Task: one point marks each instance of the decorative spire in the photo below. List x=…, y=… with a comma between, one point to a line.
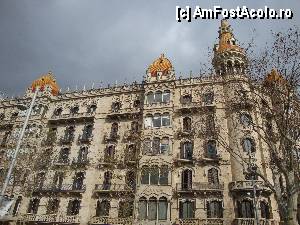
x=229, y=58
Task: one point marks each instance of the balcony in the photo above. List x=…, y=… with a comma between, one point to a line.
x=194, y=221
x=131, y=135
x=199, y=187
x=108, y=220
x=112, y=137
x=85, y=138
x=48, y=218
x=194, y=106
x=251, y=221
x=246, y=185
x=67, y=139
x=189, y=133
x=184, y=159
x=112, y=188
x=69, y=188
x=123, y=113
x=71, y=117
x=80, y=162
x=61, y=162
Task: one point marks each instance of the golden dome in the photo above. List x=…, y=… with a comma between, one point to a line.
x=46, y=80
x=162, y=64
x=226, y=38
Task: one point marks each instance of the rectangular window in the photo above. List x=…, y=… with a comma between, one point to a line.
x=145, y=176
x=148, y=122
x=152, y=210
x=150, y=98
x=164, y=173
x=162, y=210
x=165, y=120
x=166, y=97
x=154, y=174
x=158, y=96
x=156, y=121
x=142, y=210
x=156, y=146
x=186, y=210
x=208, y=98
x=164, y=146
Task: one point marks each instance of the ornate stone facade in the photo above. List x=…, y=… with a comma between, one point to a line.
x=137, y=154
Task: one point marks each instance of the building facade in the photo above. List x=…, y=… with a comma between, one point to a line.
x=139, y=154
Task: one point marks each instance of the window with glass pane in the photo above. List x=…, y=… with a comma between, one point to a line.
x=152, y=209
x=164, y=146
x=156, y=120
x=147, y=146
x=166, y=120
x=158, y=96
x=154, y=174
x=208, y=98
x=186, y=99
x=187, y=151
x=125, y=209
x=156, y=146
x=245, y=209
x=142, y=209
x=162, y=208
x=150, y=97
x=245, y=119
x=186, y=210
x=145, y=175
x=214, y=209
x=211, y=149
x=103, y=208
x=148, y=121
x=166, y=96
x=265, y=211
x=213, y=176
x=164, y=173
x=248, y=145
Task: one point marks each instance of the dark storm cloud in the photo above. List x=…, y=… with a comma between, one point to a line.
x=92, y=41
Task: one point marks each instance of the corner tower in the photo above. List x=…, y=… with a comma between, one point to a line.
x=229, y=58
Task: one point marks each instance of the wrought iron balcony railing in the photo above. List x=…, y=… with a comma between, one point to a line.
x=85, y=138
x=247, y=185
x=251, y=221
x=50, y=218
x=199, y=186
x=80, y=162
x=194, y=221
x=112, y=188
x=67, y=139
x=60, y=188
x=73, y=116
x=109, y=220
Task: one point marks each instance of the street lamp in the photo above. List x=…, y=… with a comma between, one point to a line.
x=14, y=158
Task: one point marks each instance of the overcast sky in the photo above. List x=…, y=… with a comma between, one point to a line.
x=103, y=41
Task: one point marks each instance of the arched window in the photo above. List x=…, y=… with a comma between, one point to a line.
x=245, y=209
x=214, y=209
x=186, y=209
x=156, y=145
x=82, y=155
x=186, y=150
x=74, y=110
x=150, y=97
x=148, y=122
x=107, y=180
x=58, y=111
x=164, y=145
x=154, y=175
x=187, y=124
x=166, y=96
x=103, y=208
x=211, y=149
x=152, y=209
x=78, y=181
x=145, y=173
x=163, y=176
x=186, y=179
x=147, y=146
x=158, y=96
x=58, y=180
x=186, y=99
x=142, y=208
x=208, y=98
x=125, y=209
x=165, y=119
x=114, y=128
x=248, y=145
x=162, y=208
x=157, y=120
x=33, y=206
x=110, y=152
x=265, y=210
x=213, y=176
x=245, y=120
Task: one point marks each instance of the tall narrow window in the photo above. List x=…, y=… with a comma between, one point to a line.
x=58, y=180
x=145, y=175
x=157, y=120
x=185, y=99
x=248, y=145
x=107, y=180
x=102, y=208
x=33, y=206
x=148, y=122
x=154, y=175
x=142, y=208
x=110, y=152
x=187, y=124
x=214, y=209
x=82, y=155
x=52, y=206
x=125, y=209
x=166, y=96
x=211, y=149
x=152, y=209
x=186, y=209
x=186, y=179
x=187, y=150
x=164, y=173
x=64, y=155
x=17, y=206
x=164, y=146
x=165, y=119
x=73, y=207
x=245, y=209
x=208, y=98
x=156, y=146
x=78, y=181
x=114, y=129
x=213, y=176
x=162, y=208
x=150, y=98
x=265, y=210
